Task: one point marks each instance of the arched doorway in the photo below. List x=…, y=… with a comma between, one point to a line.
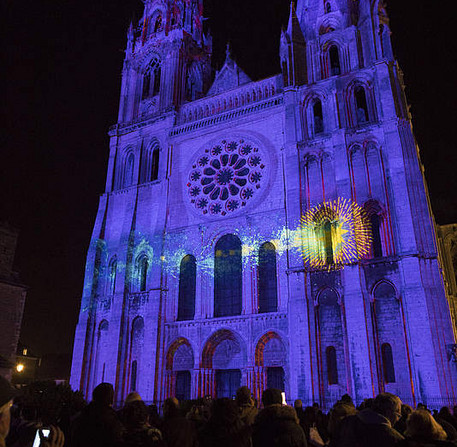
x=270, y=361
x=179, y=364
x=223, y=358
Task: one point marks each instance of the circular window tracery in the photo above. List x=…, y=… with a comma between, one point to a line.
x=226, y=177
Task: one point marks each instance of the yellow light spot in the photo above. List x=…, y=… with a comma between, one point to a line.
x=20, y=367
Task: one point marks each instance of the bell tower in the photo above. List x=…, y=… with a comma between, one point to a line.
x=167, y=59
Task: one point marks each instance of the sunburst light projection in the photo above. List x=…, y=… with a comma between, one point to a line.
x=335, y=233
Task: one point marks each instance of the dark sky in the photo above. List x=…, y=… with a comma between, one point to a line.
x=63, y=65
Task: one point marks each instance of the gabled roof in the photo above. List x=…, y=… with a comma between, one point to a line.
x=228, y=77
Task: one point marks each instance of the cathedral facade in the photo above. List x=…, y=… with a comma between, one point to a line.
x=271, y=233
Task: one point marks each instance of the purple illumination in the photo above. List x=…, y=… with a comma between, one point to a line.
x=285, y=242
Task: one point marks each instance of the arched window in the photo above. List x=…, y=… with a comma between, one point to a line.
x=155, y=164
x=151, y=80
x=146, y=85
x=133, y=376
x=228, y=276
x=387, y=363
x=361, y=105
x=268, y=290
x=142, y=272
x=157, y=76
x=332, y=366
x=129, y=167
x=375, y=222
x=328, y=242
x=318, y=117
x=334, y=56
x=187, y=286
x=158, y=23
x=150, y=164
x=112, y=271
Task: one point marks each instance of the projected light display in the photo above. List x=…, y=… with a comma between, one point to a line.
x=335, y=233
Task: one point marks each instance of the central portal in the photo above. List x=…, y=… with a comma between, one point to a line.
x=227, y=382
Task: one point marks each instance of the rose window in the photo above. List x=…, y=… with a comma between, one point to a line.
x=226, y=177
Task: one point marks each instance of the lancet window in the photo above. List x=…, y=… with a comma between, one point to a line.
x=187, y=288
x=268, y=290
x=228, y=276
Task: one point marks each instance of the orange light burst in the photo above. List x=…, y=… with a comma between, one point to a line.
x=334, y=234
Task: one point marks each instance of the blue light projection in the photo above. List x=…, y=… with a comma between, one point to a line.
x=329, y=236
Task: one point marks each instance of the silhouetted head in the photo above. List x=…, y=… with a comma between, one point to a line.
x=406, y=410
x=171, y=407
x=421, y=426
x=132, y=397
x=346, y=399
x=103, y=394
x=389, y=406
x=339, y=412
x=298, y=404
x=243, y=396
x=271, y=396
x=135, y=414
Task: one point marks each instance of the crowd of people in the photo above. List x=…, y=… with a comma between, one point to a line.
x=380, y=422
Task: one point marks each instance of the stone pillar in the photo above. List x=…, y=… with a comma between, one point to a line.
x=363, y=365
x=194, y=384
x=199, y=291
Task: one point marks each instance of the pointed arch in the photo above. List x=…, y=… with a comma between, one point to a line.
x=361, y=107
x=152, y=79
x=187, y=288
x=173, y=348
x=150, y=162
x=267, y=277
x=313, y=114
x=379, y=228
x=218, y=339
x=262, y=344
x=126, y=169
x=318, y=117
x=141, y=272
x=334, y=60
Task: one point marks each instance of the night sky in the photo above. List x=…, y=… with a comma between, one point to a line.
x=63, y=66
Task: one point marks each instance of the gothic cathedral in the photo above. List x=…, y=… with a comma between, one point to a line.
x=271, y=233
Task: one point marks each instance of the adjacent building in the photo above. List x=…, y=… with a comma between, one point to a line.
x=12, y=300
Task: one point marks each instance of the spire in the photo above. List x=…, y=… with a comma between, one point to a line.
x=294, y=32
x=130, y=37
x=228, y=53
x=293, y=51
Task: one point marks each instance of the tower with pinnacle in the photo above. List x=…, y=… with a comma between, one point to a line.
x=270, y=233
